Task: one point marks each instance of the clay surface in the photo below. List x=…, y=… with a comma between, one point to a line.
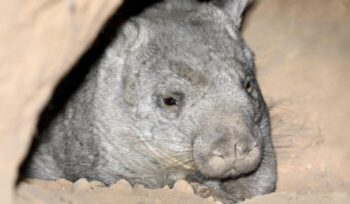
x=39, y=41
x=302, y=50
x=82, y=191
x=63, y=191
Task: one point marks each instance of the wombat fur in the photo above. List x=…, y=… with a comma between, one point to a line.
x=175, y=96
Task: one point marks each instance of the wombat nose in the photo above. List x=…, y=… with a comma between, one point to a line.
x=240, y=147
x=227, y=156
x=218, y=153
x=217, y=158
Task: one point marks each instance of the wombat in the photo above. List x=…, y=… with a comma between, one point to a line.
x=174, y=96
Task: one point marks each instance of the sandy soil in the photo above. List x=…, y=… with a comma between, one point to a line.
x=303, y=52
x=83, y=192
x=63, y=191
x=40, y=40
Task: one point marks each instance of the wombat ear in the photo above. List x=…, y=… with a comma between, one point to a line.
x=132, y=35
x=233, y=8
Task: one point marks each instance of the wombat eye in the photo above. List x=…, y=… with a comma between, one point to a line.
x=170, y=101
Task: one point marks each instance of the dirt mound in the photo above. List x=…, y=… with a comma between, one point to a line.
x=84, y=192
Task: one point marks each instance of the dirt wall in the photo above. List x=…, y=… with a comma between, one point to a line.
x=302, y=51
x=39, y=41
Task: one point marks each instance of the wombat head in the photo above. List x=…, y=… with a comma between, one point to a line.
x=187, y=90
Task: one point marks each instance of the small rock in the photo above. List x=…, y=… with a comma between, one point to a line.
x=210, y=199
x=96, y=184
x=166, y=187
x=122, y=185
x=308, y=166
x=81, y=185
x=64, y=183
x=138, y=187
x=183, y=186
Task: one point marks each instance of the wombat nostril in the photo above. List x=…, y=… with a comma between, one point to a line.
x=253, y=145
x=241, y=147
x=218, y=153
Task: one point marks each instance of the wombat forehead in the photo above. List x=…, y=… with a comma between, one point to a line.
x=201, y=42
x=195, y=15
x=196, y=23
x=185, y=71
x=199, y=64
x=198, y=44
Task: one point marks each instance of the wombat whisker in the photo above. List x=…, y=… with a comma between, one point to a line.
x=190, y=165
x=277, y=124
x=282, y=147
x=181, y=131
x=183, y=151
x=283, y=135
x=275, y=103
x=135, y=142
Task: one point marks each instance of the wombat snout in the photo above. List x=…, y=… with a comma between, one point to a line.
x=228, y=155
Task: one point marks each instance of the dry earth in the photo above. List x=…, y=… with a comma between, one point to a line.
x=39, y=41
x=303, y=52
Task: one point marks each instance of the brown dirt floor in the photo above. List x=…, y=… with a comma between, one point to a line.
x=303, y=54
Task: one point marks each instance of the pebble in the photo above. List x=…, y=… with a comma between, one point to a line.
x=96, y=184
x=210, y=199
x=81, y=185
x=122, y=185
x=138, y=187
x=64, y=183
x=308, y=166
x=183, y=187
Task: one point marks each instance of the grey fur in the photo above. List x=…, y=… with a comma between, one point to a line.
x=119, y=125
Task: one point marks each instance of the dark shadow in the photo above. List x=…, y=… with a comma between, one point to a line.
x=70, y=83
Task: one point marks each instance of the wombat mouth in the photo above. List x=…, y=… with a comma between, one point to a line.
x=216, y=164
